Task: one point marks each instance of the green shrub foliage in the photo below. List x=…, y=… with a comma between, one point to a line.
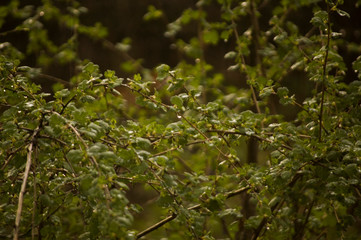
x=195, y=156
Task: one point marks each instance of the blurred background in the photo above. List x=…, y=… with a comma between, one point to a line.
x=124, y=22
x=128, y=41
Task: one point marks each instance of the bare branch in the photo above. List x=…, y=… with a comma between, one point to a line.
x=23, y=185
x=195, y=207
x=156, y=226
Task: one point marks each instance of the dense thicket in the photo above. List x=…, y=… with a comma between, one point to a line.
x=261, y=143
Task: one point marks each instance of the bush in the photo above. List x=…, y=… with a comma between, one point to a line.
x=195, y=156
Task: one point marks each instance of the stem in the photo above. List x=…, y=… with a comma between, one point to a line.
x=11, y=156
x=195, y=207
x=255, y=34
x=300, y=233
x=33, y=227
x=156, y=226
x=259, y=138
x=324, y=74
x=243, y=63
x=23, y=185
x=209, y=140
x=94, y=162
x=276, y=207
x=55, y=79
x=66, y=104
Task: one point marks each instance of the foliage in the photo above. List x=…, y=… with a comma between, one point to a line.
x=219, y=160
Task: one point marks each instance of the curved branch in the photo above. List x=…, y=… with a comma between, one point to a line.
x=195, y=207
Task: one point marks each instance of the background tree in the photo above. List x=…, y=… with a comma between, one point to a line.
x=211, y=138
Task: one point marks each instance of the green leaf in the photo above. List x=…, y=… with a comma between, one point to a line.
x=91, y=68
x=211, y=37
x=109, y=73
x=230, y=55
x=320, y=19
x=343, y=13
x=282, y=91
x=177, y=101
x=62, y=93
x=152, y=13
x=97, y=149
x=143, y=143
x=162, y=71
x=87, y=99
x=75, y=156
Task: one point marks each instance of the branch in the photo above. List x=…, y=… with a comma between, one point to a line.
x=209, y=140
x=156, y=226
x=66, y=104
x=14, y=31
x=23, y=185
x=243, y=64
x=11, y=156
x=324, y=73
x=225, y=132
x=195, y=207
x=300, y=233
x=94, y=162
x=34, y=198
x=55, y=79
x=276, y=207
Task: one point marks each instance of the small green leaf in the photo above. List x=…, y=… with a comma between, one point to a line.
x=109, y=74
x=282, y=92
x=143, y=142
x=162, y=71
x=91, y=68
x=177, y=101
x=87, y=99
x=230, y=55
x=75, y=155
x=342, y=13
x=211, y=37
x=62, y=93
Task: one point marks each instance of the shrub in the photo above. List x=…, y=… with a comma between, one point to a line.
x=219, y=160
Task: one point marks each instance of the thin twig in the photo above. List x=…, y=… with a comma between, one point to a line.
x=324, y=73
x=208, y=140
x=66, y=104
x=14, y=31
x=243, y=64
x=276, y=207
x=225, y=132
x=33, y=227
x=11, y=156
x=94, y=162
x=55, y=79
